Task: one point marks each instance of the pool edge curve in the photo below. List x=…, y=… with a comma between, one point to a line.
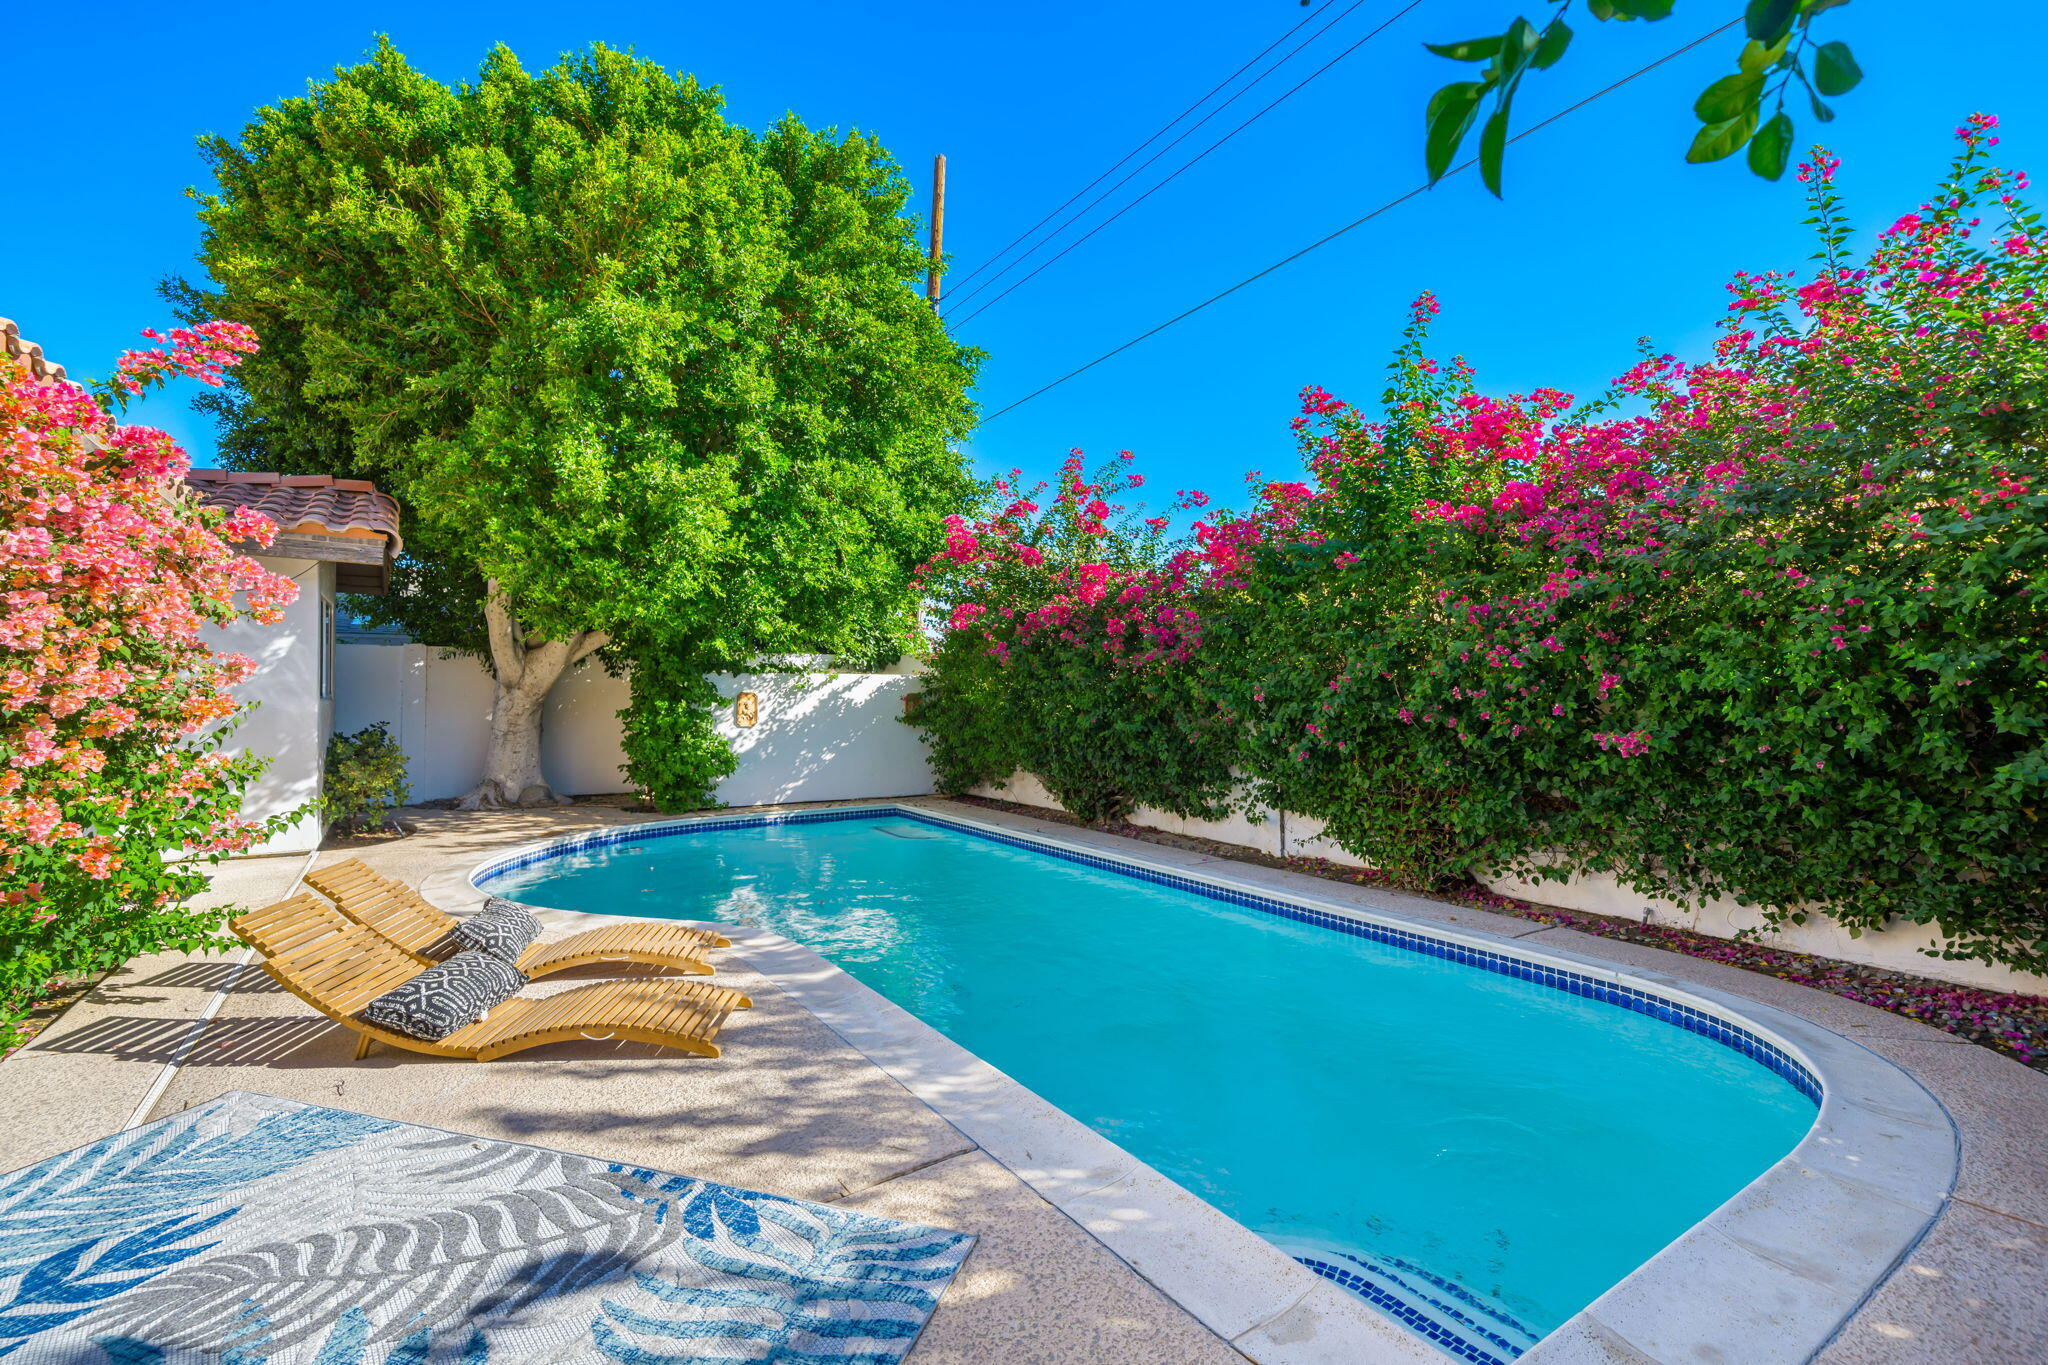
x=1772, y=1274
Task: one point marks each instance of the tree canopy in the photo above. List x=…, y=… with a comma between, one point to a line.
x=648, y=373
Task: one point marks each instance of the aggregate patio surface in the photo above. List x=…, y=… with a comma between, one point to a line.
x=793, y=1109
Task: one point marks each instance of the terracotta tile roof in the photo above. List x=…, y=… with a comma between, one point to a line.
x=314, y=505
x=301, y=504
x=317, y=503
x=26, y=354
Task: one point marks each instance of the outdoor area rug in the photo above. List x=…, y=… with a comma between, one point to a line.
x=254, y=1229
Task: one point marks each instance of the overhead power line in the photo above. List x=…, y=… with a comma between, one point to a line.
x=1183, y=136
x=1355, y=223
x=1189, y=164
x=1212, y=93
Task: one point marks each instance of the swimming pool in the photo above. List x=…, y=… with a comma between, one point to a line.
x=1465, y=1140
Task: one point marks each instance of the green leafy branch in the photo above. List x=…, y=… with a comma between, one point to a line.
x=1778, y=59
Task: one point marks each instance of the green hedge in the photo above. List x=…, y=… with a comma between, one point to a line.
x=1767, y=626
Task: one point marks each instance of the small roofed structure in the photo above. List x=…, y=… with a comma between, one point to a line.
x=344, y=522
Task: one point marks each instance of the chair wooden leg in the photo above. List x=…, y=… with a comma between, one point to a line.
x=363, y=1043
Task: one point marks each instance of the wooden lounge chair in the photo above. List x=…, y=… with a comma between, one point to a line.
x=401, y=914
x=338, y=966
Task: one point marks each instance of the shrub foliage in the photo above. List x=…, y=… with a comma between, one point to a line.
x=111, y=702
x=365, y=776
x=1766, y=626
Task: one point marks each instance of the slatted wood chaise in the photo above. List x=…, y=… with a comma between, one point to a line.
x=338, y=966
x=408, y=919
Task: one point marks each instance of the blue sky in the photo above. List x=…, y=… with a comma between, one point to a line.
x=1605, y=234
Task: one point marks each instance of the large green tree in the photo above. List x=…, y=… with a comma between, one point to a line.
x=641, y=378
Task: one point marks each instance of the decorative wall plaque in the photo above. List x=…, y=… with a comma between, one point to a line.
x=746, y=710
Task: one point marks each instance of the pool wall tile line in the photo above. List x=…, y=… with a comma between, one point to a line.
x=1434, y=1324
x=1767, y=1278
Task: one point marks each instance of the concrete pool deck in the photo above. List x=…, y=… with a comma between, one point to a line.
x=795, y=1109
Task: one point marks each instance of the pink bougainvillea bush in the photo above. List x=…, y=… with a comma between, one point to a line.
x=1767, y=625
x=113, y=789
x=1067, y=618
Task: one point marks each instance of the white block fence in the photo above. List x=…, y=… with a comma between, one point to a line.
x=821, y=736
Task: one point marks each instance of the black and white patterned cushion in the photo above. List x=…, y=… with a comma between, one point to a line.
x=502, y=928
x=445, y=997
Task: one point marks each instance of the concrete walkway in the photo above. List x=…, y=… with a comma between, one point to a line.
x=793, y=1109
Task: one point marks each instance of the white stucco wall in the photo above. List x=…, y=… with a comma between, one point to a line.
x=290, y=721
x=821, y=736
x=1897, y=947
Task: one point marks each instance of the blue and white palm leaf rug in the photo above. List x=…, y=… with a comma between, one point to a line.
x=254, y=1229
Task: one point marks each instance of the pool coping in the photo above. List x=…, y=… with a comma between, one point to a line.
x=1771, y=1275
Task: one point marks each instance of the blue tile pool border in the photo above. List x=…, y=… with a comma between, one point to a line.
x=1660, y=1007
x=1453, y=1338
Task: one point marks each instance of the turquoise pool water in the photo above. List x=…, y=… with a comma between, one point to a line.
x=1503, y=1150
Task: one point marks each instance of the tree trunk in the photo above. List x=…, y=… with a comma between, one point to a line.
x=524, y=670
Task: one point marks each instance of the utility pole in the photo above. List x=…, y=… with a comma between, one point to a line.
x=931, y=279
